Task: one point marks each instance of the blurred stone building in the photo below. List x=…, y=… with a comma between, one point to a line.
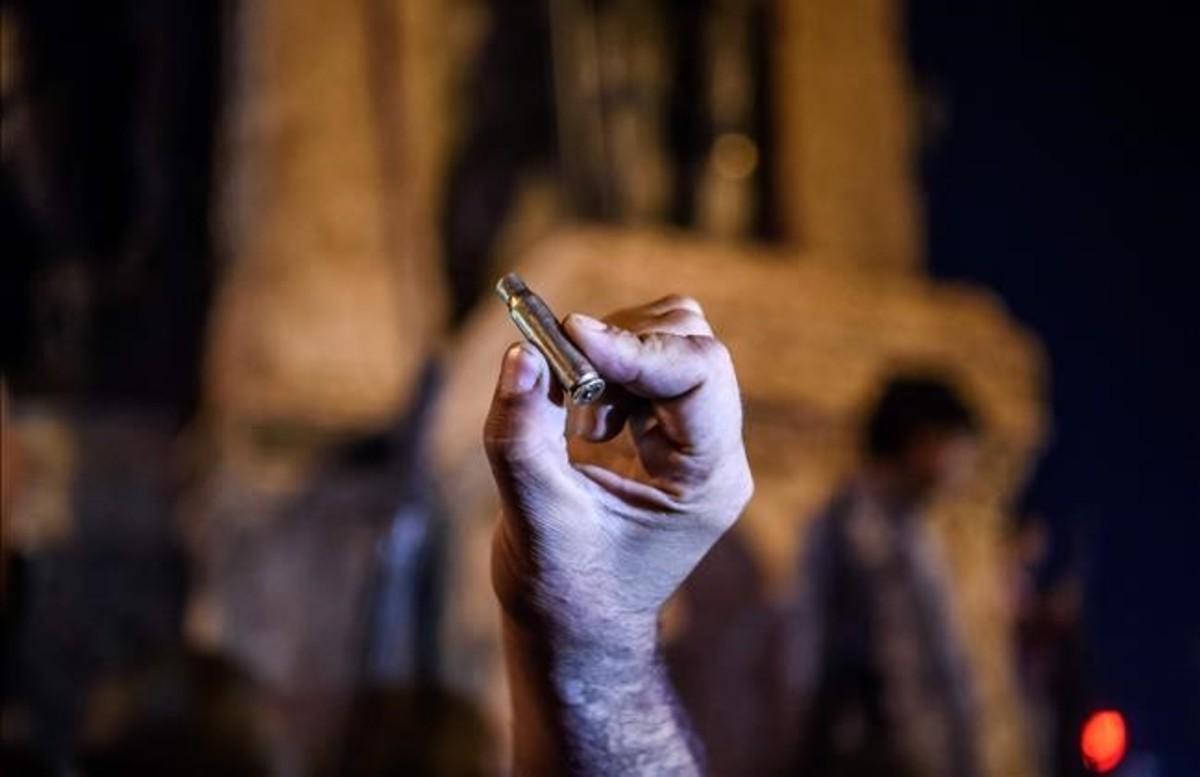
x=795, y=189
x=374, y=168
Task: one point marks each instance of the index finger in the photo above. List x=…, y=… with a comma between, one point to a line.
x=654, y=365
x=689, y=379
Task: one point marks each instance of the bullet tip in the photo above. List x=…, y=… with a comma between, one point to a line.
x=509, y=286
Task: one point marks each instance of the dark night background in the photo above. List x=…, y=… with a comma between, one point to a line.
x=1067, y=179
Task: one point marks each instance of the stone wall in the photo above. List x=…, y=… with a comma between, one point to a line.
x=332, y=160
x=844, y=122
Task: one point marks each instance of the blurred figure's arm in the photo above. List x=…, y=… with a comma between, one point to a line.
x=804, y=647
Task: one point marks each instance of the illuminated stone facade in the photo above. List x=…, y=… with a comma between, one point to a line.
x=338, y=144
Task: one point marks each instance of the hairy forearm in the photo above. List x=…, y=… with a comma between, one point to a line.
x=595, y=709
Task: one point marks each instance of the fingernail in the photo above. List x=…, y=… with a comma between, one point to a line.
x=587, y=322
x=519, y=372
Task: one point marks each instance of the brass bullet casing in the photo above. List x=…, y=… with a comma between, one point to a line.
x=540, y=327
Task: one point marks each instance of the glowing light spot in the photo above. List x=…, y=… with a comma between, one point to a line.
x=735, y=156
x=1103, y=741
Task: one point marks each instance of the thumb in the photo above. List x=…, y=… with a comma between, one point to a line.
x=524, y=431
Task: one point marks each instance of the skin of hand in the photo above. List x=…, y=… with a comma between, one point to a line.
x=605, y=510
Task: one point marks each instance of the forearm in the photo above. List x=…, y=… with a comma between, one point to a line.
x=595, y=709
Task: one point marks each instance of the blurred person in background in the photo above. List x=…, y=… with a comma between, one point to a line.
x=876, y=657
x=1052, y=658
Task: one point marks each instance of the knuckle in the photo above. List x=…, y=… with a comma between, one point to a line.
x=494, y=442
x=682, y=302
x=498, y=439
x=685, y=322
x=507, y=445
x=711, y=350
x=651, y=341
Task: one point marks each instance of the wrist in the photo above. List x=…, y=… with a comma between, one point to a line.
x=557, y=612
x=566, y=640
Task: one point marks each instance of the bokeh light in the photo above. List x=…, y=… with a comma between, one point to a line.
x=1103, y=741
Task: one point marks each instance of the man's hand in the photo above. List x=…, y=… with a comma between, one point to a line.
x=595, y=535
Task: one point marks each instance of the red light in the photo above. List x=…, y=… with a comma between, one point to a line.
x=1103, y=741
